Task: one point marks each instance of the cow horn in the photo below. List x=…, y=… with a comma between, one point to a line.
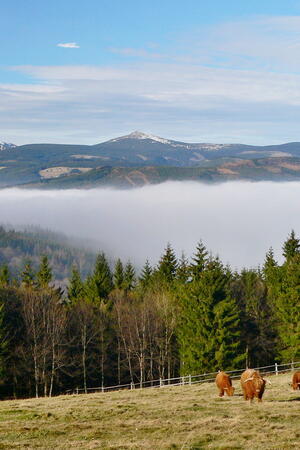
x=248, y=379
x=267, y=381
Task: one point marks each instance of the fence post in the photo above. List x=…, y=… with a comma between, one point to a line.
x=131, y=385
x=190, y=380
x=292, y=365
x=182, y=381
x=276, y=368
x=77, y=391
x=160, y=382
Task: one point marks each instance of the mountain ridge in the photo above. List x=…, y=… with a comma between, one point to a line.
x=35, y=163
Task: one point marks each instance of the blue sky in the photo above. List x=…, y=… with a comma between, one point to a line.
x=74, y=71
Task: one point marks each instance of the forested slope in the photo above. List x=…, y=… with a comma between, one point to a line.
x=19, y=247
x=178, y=317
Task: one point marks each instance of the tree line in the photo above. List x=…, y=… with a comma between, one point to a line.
x=178, y=317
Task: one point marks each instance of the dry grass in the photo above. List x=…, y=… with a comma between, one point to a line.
x=185, y=417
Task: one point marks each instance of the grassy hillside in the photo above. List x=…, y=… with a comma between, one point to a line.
x=185, y=417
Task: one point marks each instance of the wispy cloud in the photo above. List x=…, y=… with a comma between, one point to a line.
x=68, y=45
x=231, y=82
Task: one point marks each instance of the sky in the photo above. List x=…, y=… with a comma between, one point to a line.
x=197, y=71
x=235, y=220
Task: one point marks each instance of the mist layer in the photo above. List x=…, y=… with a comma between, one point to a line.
x=238, y=221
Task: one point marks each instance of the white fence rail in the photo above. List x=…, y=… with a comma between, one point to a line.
x=188, y=379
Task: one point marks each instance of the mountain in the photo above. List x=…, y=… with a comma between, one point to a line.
x=6, y=146
x=36, y=163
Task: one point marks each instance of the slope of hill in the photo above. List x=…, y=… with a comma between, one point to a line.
x=191, y=417
x=265, y=169
x=35, y=162
x=17, y=247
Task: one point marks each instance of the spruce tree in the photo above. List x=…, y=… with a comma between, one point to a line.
x=118, y=275
x=291, y=247
x=205, y=303
x=100, y=284
x=183, y=271
x=167, y=265
x=76, y=286
x=146, y=274
x=28, y=276
x=129, y=277
x=199, y=261
x=44, y=274
x=228, y=352
x=288, y=311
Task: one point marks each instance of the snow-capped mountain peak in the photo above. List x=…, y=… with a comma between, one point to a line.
x=142, y=136
x=6, y=146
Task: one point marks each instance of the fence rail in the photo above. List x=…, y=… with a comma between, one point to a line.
x=187, y=379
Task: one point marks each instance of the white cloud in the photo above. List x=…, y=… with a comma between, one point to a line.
x=68, y=45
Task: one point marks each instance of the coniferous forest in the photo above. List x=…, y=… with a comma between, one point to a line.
x=179, y=317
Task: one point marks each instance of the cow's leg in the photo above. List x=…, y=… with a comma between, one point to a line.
x=221, y=393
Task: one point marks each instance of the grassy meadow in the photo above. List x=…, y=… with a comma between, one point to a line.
x=182, y=417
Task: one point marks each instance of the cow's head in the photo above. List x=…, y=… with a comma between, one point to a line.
x=230, y=391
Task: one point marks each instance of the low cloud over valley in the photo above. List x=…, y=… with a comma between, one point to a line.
x=238, y=221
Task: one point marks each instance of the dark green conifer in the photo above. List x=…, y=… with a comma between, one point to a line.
x=167, y=265
x=28, y=276
x=100, y=284
x=183, y=270
x=129, y=277
x=145, y=275
x=291, y=247
x=118, y=275
x=44, y=274
x=76, y=286
x=199, y=261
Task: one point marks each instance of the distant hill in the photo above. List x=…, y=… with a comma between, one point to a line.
x=17, y=247
x=36, y=163
x=265, y=169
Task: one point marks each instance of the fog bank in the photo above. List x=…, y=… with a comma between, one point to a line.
x=238, y=221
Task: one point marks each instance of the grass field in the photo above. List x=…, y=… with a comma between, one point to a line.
x=183, y=417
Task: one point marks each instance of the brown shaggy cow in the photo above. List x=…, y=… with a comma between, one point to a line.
x=224, y=384
x=253, y=384
x=296, y=381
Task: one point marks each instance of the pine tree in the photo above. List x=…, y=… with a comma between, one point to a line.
x=199, y=259
x=44, y=274
x=4, y=275
x=146, y=274
x=118, y=275
x=129, y=277
x=291, y=247
x=76, y=286
x=167, y=265
x=27, y=276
